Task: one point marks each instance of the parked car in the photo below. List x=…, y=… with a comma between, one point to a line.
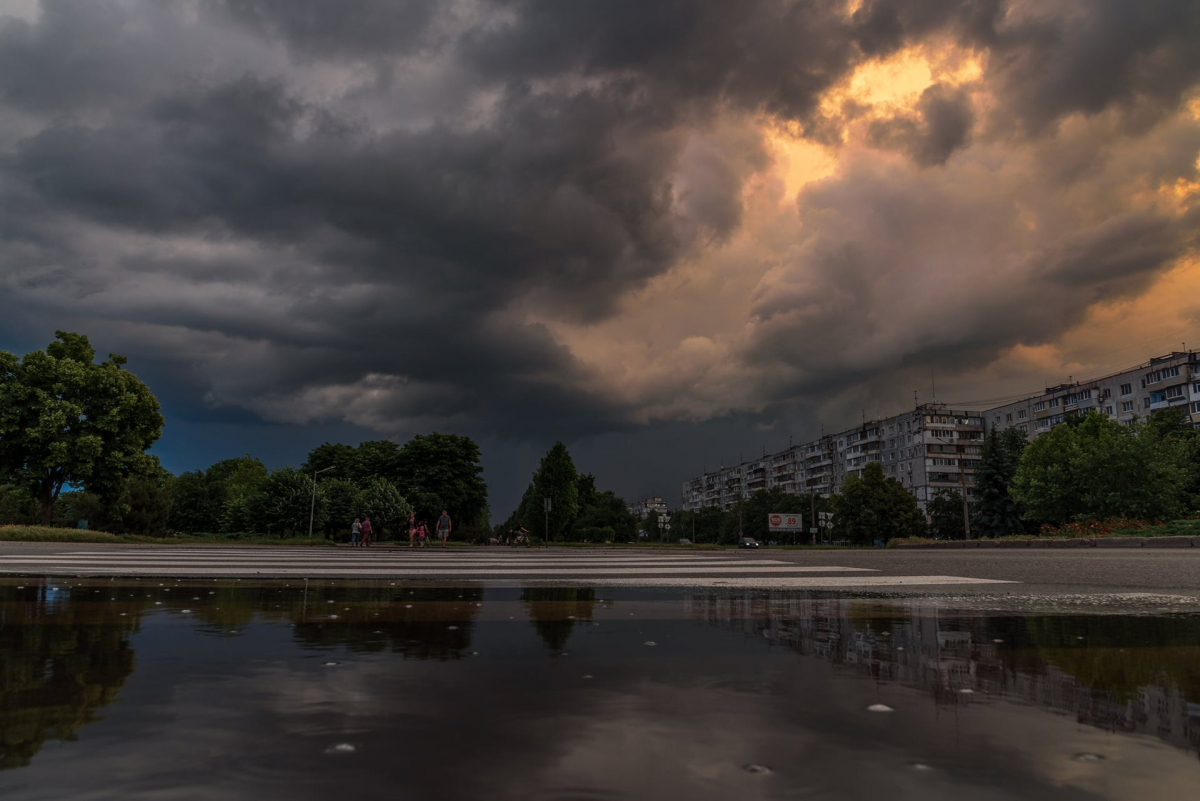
x=747, y=542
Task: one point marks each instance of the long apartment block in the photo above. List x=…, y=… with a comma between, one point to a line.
x=933, y=447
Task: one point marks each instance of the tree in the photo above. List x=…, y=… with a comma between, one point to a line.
x=17, y=506
x=442, y=471
x=341, y=460
x=197, y=503
x=995, y=512
x=65, y=420
x=757, y=509
x=383, y=503
x=604, y=510
x=282, y=505
x=342, y=501
x=1098, y=468
x=874, y=507
x=946, y=515
x=555, y=479
x=708, y=524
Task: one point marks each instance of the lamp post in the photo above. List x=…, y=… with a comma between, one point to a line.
x=312, y=509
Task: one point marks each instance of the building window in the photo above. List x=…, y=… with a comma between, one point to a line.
x=1175, y=392
x=1024, y=428
x=1146, y=403
x=1127, y=406
x=1196, y=389
x=1127, y=389
x=1040, y=406
x=1008, y=418
x=1054, y=403
x=1108, y=410
x=1020, y=414
x=1170, y=372
x=1196, y=408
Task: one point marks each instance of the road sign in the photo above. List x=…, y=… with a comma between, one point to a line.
x=813, y=530
x=667, y=526
x=781, y=521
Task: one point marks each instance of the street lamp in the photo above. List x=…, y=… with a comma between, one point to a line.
x=312, y=509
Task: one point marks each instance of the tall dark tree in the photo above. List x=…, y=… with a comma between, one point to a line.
x=66, y=420
x=556, y=479
x=946, y=515
x=995, y=512
x=604, y=510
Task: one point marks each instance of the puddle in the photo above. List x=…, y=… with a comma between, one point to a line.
x=462, y=691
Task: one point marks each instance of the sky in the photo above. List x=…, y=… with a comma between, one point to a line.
x=668, y=234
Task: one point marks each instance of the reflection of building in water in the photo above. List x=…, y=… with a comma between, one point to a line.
x=1019, y=660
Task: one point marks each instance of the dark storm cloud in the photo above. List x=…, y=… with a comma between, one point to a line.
x=941, y=126
x=347, y=28
x=377, y=211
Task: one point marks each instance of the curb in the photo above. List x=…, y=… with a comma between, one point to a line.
x=1057, y=544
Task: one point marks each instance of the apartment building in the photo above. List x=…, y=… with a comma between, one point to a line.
x=926, y=449
x=1162, y=382
x=932, y=447
x=642, y=507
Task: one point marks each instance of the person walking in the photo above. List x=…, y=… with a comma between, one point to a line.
x=421, y=534
x=412, y=528
x=443, y=527
x=367, y=531
x=355, y=532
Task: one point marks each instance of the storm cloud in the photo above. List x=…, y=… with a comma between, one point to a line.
x=572, y=220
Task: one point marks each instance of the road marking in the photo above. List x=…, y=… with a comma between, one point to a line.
x=797, y=582
x=405, y=571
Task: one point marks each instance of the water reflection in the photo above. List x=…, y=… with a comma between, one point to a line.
x=460, y=692
x=554, y=611
x=61, y=660
x=1135, y=674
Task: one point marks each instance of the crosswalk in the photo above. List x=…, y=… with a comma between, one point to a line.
x=600, y=567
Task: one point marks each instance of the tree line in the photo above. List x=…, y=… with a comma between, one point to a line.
x=73, y=440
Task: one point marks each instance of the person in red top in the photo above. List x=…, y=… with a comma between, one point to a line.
x=366, y=531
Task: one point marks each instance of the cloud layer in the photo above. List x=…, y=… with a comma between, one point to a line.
x=583, y=217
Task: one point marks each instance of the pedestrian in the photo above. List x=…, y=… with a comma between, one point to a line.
x=443, y=527
x=355, y=532
x=421, y=533
x=412, y=528
x=367, y=530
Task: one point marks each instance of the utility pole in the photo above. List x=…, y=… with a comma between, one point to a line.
x=547, y=500
x=312, y=509
x=962, y=490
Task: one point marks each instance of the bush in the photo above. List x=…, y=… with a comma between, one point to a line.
x=596, y=534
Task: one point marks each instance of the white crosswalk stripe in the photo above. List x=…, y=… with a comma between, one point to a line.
x=607, y=567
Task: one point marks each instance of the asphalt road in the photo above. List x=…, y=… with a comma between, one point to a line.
x=1138, y=577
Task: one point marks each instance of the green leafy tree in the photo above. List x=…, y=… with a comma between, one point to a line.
x=702, y=525
x=67, y=421
x=197, y=503
x=946, y=515
x=342, y=502
x=18, y=506
x=556, y=479
x=281, y=507
x=338, y=460
x=874, y=507
x=443, y=471
x=1098, y=468
x=604, y=510
x=994, y=512
x=757, y=509
x=144, y=505
x=383, y=503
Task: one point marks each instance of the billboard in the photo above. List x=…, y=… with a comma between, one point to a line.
x=779, y=521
